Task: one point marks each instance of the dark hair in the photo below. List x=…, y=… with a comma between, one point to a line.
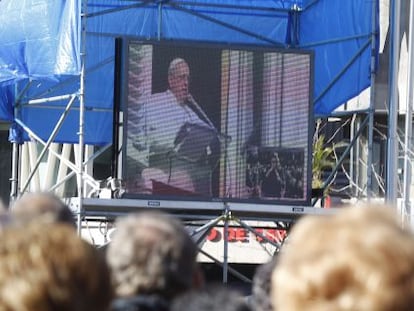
x=140, y=303
x=262, y=279
x=213, y=297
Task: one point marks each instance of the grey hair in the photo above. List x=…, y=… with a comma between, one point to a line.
x=173, y=65
x=151, y=253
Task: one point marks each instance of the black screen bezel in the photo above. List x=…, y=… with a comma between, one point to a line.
x=121, y=85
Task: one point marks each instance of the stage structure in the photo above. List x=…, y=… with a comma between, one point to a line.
x=58, y=79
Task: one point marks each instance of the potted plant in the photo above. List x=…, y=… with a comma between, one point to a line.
x=323, y=159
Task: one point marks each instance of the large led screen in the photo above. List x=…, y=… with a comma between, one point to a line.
x=210, y=122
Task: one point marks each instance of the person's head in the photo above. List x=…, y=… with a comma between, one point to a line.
x=260, y=298
x=357, y=259
x=179, y=79
x=151, y=253
x=275, y=161
x=43, y=207
x=141, y=303
x=49, y=267
x=213, y=297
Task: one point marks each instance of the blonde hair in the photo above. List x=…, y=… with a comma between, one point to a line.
x=41, y=207
x=358, y=259
x=47, y=267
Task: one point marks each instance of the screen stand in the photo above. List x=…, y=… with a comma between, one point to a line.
x=226, y=219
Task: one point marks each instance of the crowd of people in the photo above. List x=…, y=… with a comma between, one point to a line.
x=275, y=176
x=360, y=258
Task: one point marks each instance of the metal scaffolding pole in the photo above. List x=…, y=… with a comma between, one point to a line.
x=14, y=180
x=372, y=102
x=48, y=143
x=81, y=115
x=392, y=148
x=409, y=119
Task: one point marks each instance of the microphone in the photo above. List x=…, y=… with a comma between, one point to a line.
x=190, y=101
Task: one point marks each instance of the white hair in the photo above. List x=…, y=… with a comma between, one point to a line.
x=173, y=65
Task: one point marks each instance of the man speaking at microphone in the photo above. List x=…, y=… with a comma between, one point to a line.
x=179, y=136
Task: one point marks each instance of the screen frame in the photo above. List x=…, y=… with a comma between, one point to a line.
x=121, y=103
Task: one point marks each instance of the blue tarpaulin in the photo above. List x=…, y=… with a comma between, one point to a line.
x=41, y=40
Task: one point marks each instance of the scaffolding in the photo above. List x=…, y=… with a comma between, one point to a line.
x=86, y=205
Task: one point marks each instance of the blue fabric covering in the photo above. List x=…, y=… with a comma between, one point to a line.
x=6, y=98
x=38, y=39
x=342, y=32
x=43, y=46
